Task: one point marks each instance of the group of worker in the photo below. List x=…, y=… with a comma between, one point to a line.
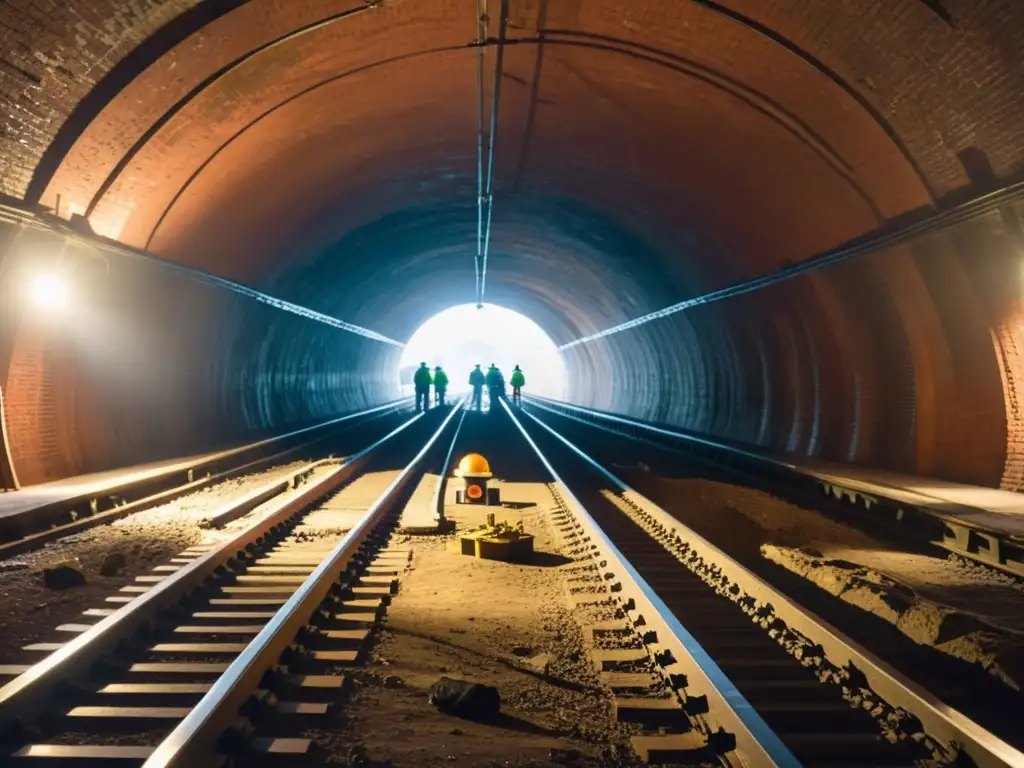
x=494, y=380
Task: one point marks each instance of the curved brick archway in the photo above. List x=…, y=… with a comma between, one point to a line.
x=326, y=150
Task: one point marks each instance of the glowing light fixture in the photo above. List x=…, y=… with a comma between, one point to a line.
x=48, y=291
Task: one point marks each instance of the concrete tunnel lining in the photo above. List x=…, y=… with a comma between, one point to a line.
x=756, y=142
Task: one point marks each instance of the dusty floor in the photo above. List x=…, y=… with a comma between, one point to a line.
x=30, y=612
x=961, y=609
x=487, y=622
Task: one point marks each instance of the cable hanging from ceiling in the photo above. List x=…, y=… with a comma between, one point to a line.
x=485, y=189
x=481, y=36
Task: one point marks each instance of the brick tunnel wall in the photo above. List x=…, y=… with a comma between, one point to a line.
x=907, y=360
x=959, y=90
x=55, y=54
x=910, y=360
x=143, y=365
x=821, y=366
x=40, y=408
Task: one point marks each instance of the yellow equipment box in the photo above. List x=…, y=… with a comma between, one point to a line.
x=497, y=542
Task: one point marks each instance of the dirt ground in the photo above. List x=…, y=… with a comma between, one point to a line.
x=30, y=611
x=961, y=609
x=488, y=622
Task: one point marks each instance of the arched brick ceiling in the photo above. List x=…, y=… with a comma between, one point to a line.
x=327, y=148
x=682, y=105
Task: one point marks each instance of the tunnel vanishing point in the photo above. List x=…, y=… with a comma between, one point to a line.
x=853, y=170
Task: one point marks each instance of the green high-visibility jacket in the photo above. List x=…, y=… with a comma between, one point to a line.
x=517, y=380
x=440, y=379
x=422, y=377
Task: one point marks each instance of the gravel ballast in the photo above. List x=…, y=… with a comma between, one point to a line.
x=30, y=612
x=501, y=624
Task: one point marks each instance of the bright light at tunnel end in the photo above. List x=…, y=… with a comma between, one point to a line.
x=48, y=291
x=459, y=337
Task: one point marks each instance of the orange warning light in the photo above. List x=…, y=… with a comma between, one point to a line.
x=473, y=465
x=474, y=491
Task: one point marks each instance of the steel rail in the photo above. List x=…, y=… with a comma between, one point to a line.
x=871, y=491
x=32, y=692
x=44, y=514
x=232, y=510
x=945, y=724
x=542, y=402
x=195, y=738
x=756, y=743
x=951, y=526
x=437, y=502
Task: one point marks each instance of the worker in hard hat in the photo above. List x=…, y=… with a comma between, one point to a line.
x=422, y=381
x=518, y=381
x=477, y=381
x=495, y=385
x=440, y=384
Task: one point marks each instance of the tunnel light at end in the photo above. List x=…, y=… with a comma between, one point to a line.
x=48, y=291
x=465, y=335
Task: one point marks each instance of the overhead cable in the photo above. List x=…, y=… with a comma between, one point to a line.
x=103, y=244
x=888, y=238
x=489, y=192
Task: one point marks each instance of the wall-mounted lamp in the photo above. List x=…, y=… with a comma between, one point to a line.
x=48, y=291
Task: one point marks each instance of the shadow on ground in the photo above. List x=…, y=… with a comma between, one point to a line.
x=556, y=681
x=518, y=504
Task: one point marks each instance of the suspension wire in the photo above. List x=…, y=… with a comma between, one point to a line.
x=489, y=194
x=276, y=303
x=481, y=36
x=888, y=238
x=104, y=245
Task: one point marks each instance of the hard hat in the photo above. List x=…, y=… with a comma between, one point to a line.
x=437, y=367
x=423, y=365
x=473, y=465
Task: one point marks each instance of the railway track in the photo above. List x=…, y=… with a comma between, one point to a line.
x=755, y=678
x=229, y=650
x=911, y=523
x=33, y=528
x=216, y=652
x=955, y=671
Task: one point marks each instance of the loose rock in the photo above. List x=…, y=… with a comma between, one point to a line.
x=563, y=756
x=472, y=701
x=113, y=563
x=65, y=575
x=541, y=663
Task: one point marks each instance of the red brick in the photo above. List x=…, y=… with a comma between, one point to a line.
x=907, y=360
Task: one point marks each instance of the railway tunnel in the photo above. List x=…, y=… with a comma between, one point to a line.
x=760, y=250
x=341, y=155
